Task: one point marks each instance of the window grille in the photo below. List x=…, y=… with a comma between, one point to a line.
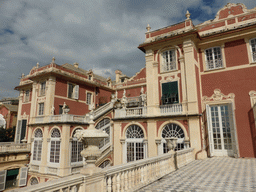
x=55, y=146
x=104, y=125
x=213, y=58
x=253, y=49
x=173, y=130
x=38, y=142
x=77, y=147
x=135, y=148
x=169, y=60
x=33, y=181
x=73, y=91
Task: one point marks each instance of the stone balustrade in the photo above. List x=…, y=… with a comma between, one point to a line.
x=171, y=109
x=60, y=118
x=14, y=147
x=101, y=110
x=126, y=177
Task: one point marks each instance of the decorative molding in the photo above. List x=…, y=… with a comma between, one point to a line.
x=218, y=96
x=169, y=78
x=252, y=95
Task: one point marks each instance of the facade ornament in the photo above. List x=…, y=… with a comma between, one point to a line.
x=218, y=96
x=171, y=143
x=91, y=107
x=22, y=75
x=91, y=139
x=124, y=100
x=37, y=65
x=65, y=109
x=52, y=110
x=187, y=15
x=142, y=90
x=124, y=93
x=148, y=28
x=53, y=60
x=116, y=94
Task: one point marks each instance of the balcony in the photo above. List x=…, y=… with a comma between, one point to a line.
x=171, y=109
x=61, y=119
x=14, y=147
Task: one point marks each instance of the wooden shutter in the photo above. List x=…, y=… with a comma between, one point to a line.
x=2, y=179
x=23, y=176
x=18, y=130
x=76, y=92
x=209, y=128
x=23, y=129
x=170, y=90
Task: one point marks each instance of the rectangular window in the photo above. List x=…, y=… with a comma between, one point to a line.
x=168, y=61
x=170, y=93
x=89, y=98
x=23, y=129
x=41, y=109
x=73, y=91
x=253, y=49
x=60, y=109
x=27, y=95
x=42, y=88
x=213, y=58
x=55, y=152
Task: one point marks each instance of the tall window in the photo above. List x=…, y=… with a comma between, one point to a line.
x=170, y=93
x=41, y=109
x=173, y=130
x=55, y=146
x=27, y=95
x=89, y=98
x=104, y=125
x=253, y=49
x=135, y=149
x=168, y=60
x=213, y=58
x=73, y=91
x=37, y=149
x=77, y=147
x=42, y=88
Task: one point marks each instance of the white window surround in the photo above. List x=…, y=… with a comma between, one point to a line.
x=42, y=88
x=214, y=58
x=26, y=96
x=253, y=50
x=73, y=91
x=135, y=139
x=168, y=60
x=37, y=147
x=89, y=97
x=54, y=141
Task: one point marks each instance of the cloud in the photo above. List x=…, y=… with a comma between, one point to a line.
x=102, y=35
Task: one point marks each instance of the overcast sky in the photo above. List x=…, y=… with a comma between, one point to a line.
x=102, y=35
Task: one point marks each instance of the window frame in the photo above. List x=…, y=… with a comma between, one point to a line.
x=27, y=96
x=91, y=93
x=178, y=91
x=42, y=88
x=206, y=66
x=75, y=91
x=77, y=152
x=40, y=110
x=163, y=60
x=39, y=141
x=252, y=54
x=54, y=140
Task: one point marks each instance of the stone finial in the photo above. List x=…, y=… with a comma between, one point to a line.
x=188, y=14
x=76, y=65
x=22, y=75
x=37, y=65
x=53, y=60
x=148, y=28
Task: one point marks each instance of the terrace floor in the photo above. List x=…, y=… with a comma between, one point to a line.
x=218, y=174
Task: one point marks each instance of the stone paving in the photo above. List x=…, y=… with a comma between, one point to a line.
x=218, y=174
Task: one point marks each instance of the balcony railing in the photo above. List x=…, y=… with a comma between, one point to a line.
x=171, y=109
x=14, y=147
x=131, y=112
x=101, y=110
x=60, y=118
x=126, y=177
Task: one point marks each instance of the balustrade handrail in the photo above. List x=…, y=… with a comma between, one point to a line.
x=102, y=109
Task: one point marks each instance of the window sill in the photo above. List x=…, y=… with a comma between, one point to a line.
x=253, y=63
x=215, y=69
x=174, y=70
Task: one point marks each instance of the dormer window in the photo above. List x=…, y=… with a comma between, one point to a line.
x=253, y=49
x=168, y=60
x=213, y=58
x=90, y=77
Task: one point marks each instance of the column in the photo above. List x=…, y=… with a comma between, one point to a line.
x=64, y=151
x=50, y=92
x=118, y=150
x=152, y=148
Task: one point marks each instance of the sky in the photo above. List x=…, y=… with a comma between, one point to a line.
x=102, y=35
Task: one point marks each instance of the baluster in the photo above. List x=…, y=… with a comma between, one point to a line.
x=146, y=173
x=122, y=182
x=132, y=178
x=118, y=182
x=105, y=184
x=114, y=183
x=142, y=174
x=126, y=182
x=109, y=184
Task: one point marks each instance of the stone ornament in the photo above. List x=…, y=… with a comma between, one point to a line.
x=218, y=96
x=171, y=143
x=65, y=109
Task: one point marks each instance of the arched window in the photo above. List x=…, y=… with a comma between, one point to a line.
x=135, y=148
x=77, y=147
x=37, y=147
x=55, y=146
x=104, y=125
x=173, y=130
x=33, y=181
x=105, y=164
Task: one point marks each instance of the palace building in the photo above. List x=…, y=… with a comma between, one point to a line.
x=198, y=84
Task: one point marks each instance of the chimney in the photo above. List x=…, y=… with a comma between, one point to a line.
x=118, y=73
x=76, y=65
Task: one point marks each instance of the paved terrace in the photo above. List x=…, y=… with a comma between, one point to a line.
x=216, y=174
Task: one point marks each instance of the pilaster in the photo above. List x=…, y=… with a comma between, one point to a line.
x=33, y=100
x=64, y=153
x=44, y=150
x=50, y=92
x=152, y=147
x=118, y=150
